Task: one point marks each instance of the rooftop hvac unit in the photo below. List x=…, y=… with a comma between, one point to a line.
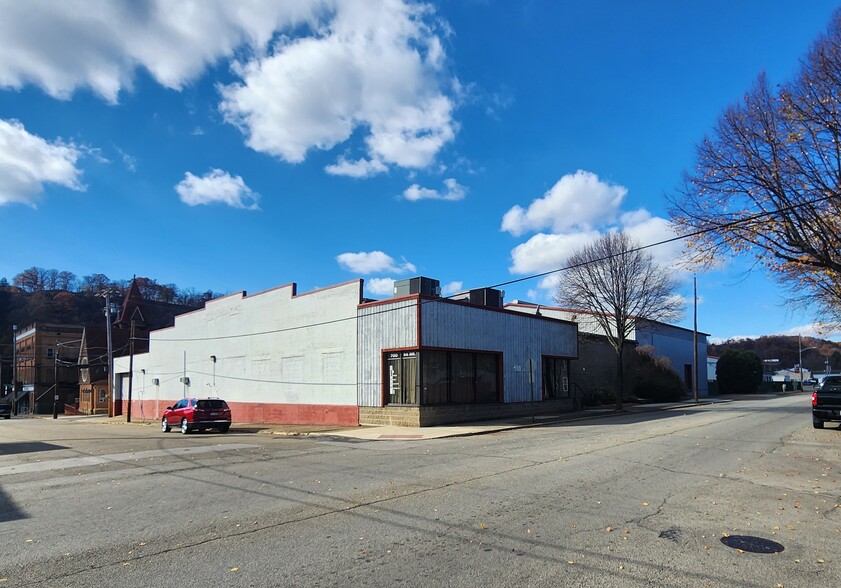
x=487, y=297
x=418, y=285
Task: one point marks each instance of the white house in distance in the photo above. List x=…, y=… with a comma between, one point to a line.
x=669, y=341
x=331, y=357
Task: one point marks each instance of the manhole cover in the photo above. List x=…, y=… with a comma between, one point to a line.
x=752, y=544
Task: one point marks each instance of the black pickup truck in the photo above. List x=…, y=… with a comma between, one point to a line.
x=826, y=402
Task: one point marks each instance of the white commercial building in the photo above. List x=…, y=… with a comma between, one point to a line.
x=274, y=356
x=331, y=357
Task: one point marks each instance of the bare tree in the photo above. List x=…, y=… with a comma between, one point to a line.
x=30, y=280
x=66, y=281
x=192, y=297
x=768, y=181
x=50, y=279
x=96, y=283
x=618, y=283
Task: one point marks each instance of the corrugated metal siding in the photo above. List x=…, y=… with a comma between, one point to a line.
x=519, y=337
x=676, y=344
x=381, y=326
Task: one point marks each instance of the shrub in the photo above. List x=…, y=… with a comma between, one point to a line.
x=599, y=397
x=655, y=380
x=738, y=372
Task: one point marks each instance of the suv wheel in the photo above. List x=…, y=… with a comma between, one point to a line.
x=185, y=426
x=817, y=424
x=164, y=425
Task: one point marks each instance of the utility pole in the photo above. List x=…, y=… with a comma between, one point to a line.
x=14, y=368
x=800, y=351
x=107, y=295
x=55, y=381
x=130, y=370
x=695, y=336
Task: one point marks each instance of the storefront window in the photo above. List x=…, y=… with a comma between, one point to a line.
x=402, y=376
x=487, y=380
x=435, y=376
x=446, y=377
x=462, y=383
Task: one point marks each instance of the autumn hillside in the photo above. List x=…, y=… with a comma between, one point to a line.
x=787, y=349
x=37, y=295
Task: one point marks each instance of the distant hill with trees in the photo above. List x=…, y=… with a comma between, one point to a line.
x=786, y=349
x=38, y=295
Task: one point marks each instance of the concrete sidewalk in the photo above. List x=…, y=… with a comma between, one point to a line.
x=395, y=433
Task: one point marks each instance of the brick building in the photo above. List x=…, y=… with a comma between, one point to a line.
x=45, y=367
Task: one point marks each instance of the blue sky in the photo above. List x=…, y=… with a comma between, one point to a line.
x=241, y=146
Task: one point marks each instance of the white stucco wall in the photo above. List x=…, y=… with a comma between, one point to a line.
x=270, y=347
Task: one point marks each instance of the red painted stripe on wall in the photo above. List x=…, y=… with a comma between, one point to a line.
x=253, y=412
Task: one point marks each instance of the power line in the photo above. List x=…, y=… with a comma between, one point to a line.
x=720, y=227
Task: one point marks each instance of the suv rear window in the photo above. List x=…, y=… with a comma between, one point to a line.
x=214, y=404
x=832, y=380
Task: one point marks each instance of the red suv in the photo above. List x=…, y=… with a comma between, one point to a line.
x=197, y=414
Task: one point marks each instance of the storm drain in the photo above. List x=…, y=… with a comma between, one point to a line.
x=752, y=544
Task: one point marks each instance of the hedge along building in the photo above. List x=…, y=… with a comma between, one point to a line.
x=331, y=357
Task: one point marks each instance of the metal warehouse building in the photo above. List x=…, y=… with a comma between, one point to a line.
x=331, y=357
x=426, y=360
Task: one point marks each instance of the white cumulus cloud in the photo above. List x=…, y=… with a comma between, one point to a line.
x=361, y=168
x=451, y=288
x=380, y=286
x=373, y=262
x=577, y=201
x=579, y=209
x=646, y=229
x=99, y=44
x=310, y=74
x=28, y=161
x=454, y=191
x=216, y=187
x=546, y=252
x=369, y=66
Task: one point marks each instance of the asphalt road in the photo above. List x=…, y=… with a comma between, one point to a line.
x=636, y=500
